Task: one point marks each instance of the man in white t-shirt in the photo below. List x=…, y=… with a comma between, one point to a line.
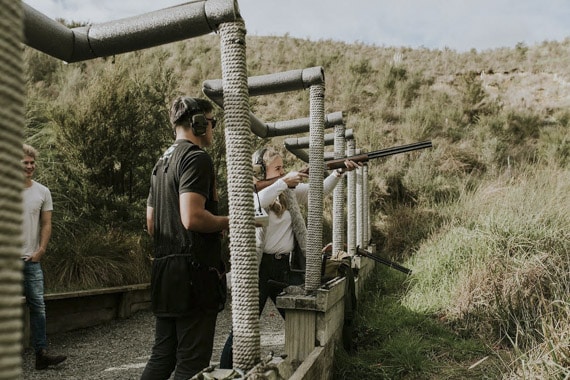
x=37, y=207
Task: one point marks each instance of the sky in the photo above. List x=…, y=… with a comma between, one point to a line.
x=460, y=25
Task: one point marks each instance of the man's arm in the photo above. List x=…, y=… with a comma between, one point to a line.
x=45, y=234
x=150, y=220
x=196, y=218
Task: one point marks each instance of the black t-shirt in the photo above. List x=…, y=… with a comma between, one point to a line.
x=181, y=256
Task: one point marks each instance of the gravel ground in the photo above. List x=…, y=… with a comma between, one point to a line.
x=121, y=348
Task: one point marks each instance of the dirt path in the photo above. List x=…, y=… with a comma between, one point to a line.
x=120, y=349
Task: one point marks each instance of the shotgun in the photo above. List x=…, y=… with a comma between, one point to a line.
x=339, y=163
x=391, y=264
x=365, y=157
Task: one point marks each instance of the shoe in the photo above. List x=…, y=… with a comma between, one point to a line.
x=44, y=360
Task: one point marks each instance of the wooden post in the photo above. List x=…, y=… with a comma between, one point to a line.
x=299, y=334
x=124, y=304
x=312, y=320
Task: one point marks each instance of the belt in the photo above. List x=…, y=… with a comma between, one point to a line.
x=278, y=256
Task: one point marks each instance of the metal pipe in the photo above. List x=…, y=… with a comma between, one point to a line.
x=303, y=155
x=258, y=127
x=129, y=34
x=291, y=127
x=286, y=81
x=299, y=153
x=303, y=142
x=329, y=156
x=271, y=84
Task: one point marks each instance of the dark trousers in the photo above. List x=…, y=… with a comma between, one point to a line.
x=183, y=345
x=273, y=269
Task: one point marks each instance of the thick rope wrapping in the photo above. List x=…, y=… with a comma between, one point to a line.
x=245, y=293
x=339, y=193
x=11, y=137
x=351, y=202
x=366, y=218
x=317, y=164
x=359, y=207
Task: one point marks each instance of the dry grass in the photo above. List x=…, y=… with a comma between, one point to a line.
x=500, y=269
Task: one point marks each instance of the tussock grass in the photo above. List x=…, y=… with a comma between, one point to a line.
x=98, y=258
x=490, y=293
x=500, y=269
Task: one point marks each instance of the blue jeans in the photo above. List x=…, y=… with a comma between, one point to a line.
x=34, y=293
x=184, y=344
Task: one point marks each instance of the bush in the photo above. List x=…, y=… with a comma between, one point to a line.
x=96, y=258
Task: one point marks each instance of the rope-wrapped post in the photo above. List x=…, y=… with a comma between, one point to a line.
x=317, y=165
x=339, y=192
x=245, y=293
x=359, y=206
x=11, y=137
x=365, y=216
x=351, y=202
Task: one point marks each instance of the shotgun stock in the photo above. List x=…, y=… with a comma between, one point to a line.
x=260, y=184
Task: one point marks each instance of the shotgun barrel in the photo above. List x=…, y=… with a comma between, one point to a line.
x=339, y=163
x=365, y=157
x=391, y=264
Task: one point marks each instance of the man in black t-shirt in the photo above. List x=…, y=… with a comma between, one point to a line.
x=188, y=282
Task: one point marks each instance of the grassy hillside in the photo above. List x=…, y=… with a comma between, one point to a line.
x=482, y=218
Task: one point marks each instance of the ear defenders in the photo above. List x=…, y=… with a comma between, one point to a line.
x=259, y=169
x=199, y=122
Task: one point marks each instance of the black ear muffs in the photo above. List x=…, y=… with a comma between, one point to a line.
x=199, y=123
x=259, y=169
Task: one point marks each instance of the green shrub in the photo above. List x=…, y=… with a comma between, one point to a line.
x=97, y=257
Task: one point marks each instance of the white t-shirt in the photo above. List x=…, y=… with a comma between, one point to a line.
x=36, y=198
